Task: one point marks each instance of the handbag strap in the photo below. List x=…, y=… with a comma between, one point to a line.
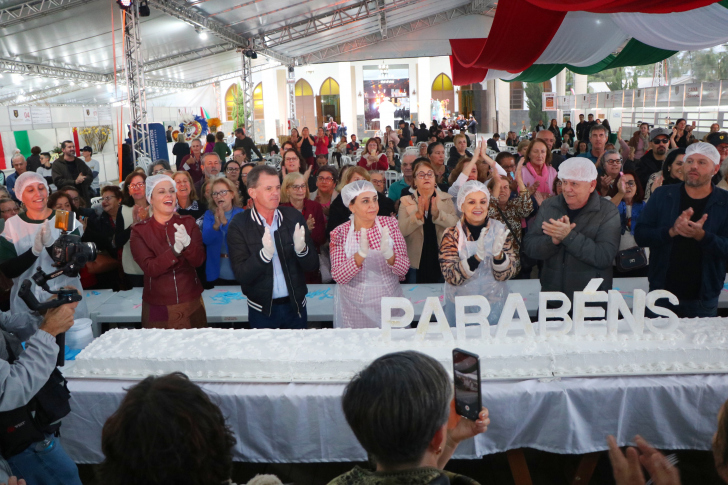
x=508, y=225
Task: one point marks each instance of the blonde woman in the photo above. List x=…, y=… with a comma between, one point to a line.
x=424, y=215
x=224, y=204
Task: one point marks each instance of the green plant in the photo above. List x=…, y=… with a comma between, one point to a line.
x=239, y=115
x=535, y=107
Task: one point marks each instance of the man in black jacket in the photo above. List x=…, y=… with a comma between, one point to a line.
x=405, y=137
x=652, y=161
x=71, y=170
x=247, y=144
x=270, y=249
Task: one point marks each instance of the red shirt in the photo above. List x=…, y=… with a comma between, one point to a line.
x=382, y=164
x=322, y=146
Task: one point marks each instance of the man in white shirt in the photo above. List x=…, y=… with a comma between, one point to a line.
x=95, y=167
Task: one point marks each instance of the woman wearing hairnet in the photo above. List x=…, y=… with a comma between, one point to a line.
x=368, y=259
x=27, y=235
x=477, y=255
x=168, y=247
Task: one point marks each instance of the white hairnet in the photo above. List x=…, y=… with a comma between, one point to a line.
x=354, y=189
x=154, y=180
x=468, y=188
x=580, y=169
x=25, y=179
x=705, y=149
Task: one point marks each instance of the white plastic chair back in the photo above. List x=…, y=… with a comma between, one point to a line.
x=419, y=144
x=491, y=153
x=511, y=149
x=144, y=162
x=346, y=160
x=556, y=151
x=390, y=177
x=448, y=146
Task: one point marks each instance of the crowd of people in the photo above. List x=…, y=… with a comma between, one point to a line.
x=458, y=217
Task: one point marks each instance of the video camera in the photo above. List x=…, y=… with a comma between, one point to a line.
x=69, y=254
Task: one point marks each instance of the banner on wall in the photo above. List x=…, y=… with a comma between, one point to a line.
x=41, y=115
x=91, y=115
x=20, y=117
x=157, y=142
x=548, y=101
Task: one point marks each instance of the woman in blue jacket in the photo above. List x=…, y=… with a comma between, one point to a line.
x=630, y=202
x=224, y=203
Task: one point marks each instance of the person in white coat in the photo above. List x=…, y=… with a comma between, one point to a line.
x=27, y=237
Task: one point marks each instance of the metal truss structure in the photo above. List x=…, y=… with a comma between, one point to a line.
x=34, y=9
x=136, y=98
x=291, y=84
x=193, y=55
x=247, y=85
x=475, y=7
x=196, y=19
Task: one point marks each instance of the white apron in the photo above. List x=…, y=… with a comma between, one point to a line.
x=482, y=282
x=22, y=235
x=358, y=303
x=127, y=259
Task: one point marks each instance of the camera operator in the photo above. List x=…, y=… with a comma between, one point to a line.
x=24, y=243
x=33, y=398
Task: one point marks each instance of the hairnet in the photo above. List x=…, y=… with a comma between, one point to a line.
x=154, y=180
x=354, y=189
x=468, y=188
x=580, y=169
x=25, y=179
x=705, y=149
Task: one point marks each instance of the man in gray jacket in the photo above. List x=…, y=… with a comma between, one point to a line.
x=576, y=234
x=24, y=378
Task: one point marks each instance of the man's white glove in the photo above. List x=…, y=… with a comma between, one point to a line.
x=299, y=239
x=181, y=238
x=386, y=246
x=43, y=239
x=498, y=242
x=268, y=248
x=363, y=244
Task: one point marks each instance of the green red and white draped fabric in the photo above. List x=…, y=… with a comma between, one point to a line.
x=533, y=40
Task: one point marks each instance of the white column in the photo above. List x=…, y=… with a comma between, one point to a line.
x=489, y=124
x=580, y=84
x=270, y=102
x=503, y=106
x=424, y=90
x=561, y=83
x=345, y=101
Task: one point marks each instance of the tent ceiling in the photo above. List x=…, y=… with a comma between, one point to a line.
x=79, y=38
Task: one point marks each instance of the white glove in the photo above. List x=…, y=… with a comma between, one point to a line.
x=43, y=239
x=181, y=238
x=268, y=248
x=363, y=244
x=480, y=248
x=299, y=239
x=386, y=246
x=499, y=241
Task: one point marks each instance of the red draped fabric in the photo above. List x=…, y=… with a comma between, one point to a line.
x=519, y=34
x=462, y=75
x=616, y=6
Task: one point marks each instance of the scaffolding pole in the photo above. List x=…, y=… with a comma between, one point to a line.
x=291, y=81
x=247, y=86
x=134, y=70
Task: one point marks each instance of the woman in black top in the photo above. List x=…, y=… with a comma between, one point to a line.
x=568, y=130
x=554, y=128
x=273, y=147
x=180, y=149
x=306, y=145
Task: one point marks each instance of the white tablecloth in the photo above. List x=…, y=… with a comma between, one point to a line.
x=291, y=423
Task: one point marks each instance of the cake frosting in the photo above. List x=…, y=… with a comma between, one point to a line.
x=335, y=355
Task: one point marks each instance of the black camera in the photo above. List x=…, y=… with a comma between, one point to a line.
x=69, y=249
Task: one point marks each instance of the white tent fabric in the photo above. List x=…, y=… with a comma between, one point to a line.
x=685, y=31
x=583, y=39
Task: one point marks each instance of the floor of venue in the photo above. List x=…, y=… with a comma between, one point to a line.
x=696, y=467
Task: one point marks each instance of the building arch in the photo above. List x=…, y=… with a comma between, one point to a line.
x=305, y=102
x=258, y=113
x=230, y=96
x=442, y=90
x=329, y=102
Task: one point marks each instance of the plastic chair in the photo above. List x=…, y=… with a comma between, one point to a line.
x=511, y=149
x=448, y=146
x=390, y=177
x=346, y=160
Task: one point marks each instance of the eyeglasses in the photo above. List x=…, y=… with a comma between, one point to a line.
x=426, y=175
x=232, y=170
x=661, y=141
x=616, y=161
x=157, y=172
x=220, y=193
x=14, y=209
x=289, y=159
x=630, y=183
x=108, y=198
x=325, y=179
x=139, y=185
x=299, y=187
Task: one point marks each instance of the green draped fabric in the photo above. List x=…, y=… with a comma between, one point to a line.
x=635, y=53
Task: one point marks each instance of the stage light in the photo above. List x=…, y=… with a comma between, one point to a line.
x=251, y=53
x=125, y=4
x=144, y=9
x=201, y=33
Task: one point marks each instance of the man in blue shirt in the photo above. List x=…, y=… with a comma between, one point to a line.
x=598, y=136
x=395, y=190
x=20, y=165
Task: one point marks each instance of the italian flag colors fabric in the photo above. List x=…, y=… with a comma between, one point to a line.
x=533, y=40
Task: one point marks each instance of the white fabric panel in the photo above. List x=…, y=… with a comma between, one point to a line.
x=683, y=31
x=289, y=423
x=504, y=75
x=583, y=39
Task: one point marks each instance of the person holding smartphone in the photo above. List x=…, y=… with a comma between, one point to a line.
x=399, y=409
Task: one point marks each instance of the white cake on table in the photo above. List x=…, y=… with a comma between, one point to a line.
x=697, y=346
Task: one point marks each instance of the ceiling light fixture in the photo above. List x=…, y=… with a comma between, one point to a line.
x=124, y=4
x=144, y=9
x=251, y=54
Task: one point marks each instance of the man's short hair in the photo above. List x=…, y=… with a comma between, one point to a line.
x=496, y=135
x=591, y=115
x=63, y=144
x=208, y=154
x=240, y=131
x=241, y=150
x=502, y=156
x=257, y=171
x=45, y=154
x=459, y=136
x=596, y=128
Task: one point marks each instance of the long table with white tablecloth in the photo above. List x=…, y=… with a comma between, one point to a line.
x=228, y=304
x=292, y=423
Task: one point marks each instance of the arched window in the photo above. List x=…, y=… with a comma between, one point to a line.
x=303, y=88
x=443, y=91
x=329, y=97
x=230, y=96
x=305, y=112
x=329, y=87
x=258, y=102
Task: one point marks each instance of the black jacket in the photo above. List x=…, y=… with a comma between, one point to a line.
x=339, y=214
x=455, y=157
x=404, y=139
x=646, y=166
x=255, y=274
